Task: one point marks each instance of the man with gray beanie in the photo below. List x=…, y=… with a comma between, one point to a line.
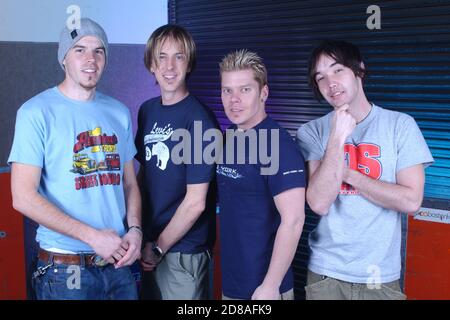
x=72, y=172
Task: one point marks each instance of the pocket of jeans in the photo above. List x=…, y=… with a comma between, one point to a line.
x=314, y=290
x=53, y=284
x=392, y=294
x=183, y=267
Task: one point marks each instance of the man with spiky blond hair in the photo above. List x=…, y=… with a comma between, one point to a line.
x=261, y=216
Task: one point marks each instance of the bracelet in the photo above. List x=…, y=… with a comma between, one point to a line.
x=137, y=228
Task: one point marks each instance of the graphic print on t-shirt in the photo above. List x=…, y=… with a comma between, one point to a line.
x=94, y=153
x=155, y=147
x=362, y=157
x=228, y=172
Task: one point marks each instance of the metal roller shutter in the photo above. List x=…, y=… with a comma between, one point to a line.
x=408, y=60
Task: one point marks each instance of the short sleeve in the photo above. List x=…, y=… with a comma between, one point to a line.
x=29, y=136
x=200, y=172
x=138, y=141
x=130, y=146
x=309, y=142
x=291, y=170
x=411, y=146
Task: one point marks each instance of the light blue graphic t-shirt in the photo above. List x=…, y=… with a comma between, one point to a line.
x=82, y=148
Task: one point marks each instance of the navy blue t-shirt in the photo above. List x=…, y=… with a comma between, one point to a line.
x=164, y=186
x=248, y=216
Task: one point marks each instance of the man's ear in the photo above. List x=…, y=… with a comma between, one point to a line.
x=264, y=93
x=152, y=67
x=363, y=67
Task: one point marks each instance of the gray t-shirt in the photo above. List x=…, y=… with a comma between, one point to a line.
x=359, y=241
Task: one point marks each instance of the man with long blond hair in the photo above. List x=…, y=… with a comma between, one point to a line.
x=178, y=211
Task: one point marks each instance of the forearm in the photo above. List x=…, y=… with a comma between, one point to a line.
x=45, y=213
x=132, y=194
x=387, y=195
x=133, y=203
x=325, y=183
x=286, y=242
x=132, y=240
x=182, y=221
x=27, y=200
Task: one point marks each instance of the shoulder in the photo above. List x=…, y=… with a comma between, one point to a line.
x=111, y=102
x=273, y=125
x=196, y=106
x=315, y=125
x=39, y=102
x=150, y=104
x=395, y=117
x=286, y=140
x=199, y=111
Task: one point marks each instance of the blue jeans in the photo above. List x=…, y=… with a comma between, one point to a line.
x=76, y=282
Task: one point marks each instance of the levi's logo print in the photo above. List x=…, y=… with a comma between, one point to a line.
x=95, y=159
x=364, y=158
x=155, y=146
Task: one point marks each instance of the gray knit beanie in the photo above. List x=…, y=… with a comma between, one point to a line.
x=69, y=37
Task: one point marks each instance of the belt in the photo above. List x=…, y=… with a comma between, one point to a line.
x=71, y=259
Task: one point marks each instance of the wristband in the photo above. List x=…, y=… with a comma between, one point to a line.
x=137, y=228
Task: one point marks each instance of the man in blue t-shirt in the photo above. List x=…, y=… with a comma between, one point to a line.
x=261, y=184
x=72, y=172
x=179, y=213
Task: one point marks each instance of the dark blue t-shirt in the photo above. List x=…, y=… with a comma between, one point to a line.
x=164, y=186
x=248, y=216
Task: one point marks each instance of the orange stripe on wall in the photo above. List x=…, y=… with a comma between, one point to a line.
x=12, y=251
x=428, y=260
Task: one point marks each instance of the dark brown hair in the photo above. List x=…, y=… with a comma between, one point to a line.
x=342, y=52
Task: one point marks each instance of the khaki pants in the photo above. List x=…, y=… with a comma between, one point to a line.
x=288, y=295
x=178, y=276
x=324, y=288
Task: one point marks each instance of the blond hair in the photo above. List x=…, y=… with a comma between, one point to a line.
x=244, y=59
x=176, y=33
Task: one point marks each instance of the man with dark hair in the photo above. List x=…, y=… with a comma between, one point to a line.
x=72, y=172
x=366, y=166
x=343, y=52
x=179, y=213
